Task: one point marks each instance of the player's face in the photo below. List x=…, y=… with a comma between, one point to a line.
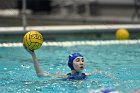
x=78, y=64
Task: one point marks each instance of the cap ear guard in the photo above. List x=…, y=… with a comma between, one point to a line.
x=71, y=66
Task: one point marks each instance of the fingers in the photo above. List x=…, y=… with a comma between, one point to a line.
x=30, y=51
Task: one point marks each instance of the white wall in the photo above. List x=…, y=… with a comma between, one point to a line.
x=117, y=1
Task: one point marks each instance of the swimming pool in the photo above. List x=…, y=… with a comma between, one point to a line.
x=117, y=65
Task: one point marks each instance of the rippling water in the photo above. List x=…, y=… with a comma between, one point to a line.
x=112, y=66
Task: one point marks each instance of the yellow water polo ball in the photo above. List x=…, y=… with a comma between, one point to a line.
x=33, y=40
x=122, y=34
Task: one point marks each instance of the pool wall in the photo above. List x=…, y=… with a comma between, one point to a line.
x=69, y=33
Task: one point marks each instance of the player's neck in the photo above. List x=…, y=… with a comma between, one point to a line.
x=75, y=72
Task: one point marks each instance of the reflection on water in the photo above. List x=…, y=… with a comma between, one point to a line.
x=112, y=66
x=12, y=81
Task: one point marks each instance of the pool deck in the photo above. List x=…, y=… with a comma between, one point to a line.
x=70, y=29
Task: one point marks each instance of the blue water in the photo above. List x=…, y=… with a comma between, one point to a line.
x=113, y=66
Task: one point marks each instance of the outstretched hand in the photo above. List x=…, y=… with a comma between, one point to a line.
x=28, y=50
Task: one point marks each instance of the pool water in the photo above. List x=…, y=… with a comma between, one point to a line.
x=112, y=66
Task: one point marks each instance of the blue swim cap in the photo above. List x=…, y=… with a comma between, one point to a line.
x=71, y=58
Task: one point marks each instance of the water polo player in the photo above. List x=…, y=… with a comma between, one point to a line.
x=75, y=63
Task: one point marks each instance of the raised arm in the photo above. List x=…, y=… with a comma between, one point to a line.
x=38, y=70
